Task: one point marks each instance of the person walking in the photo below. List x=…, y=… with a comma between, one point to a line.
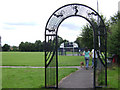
x=93, y=56
x=86, y=53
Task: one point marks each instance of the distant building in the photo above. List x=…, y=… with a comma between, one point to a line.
x=69, y=48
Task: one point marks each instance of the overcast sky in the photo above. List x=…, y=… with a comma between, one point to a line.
x=25, y=20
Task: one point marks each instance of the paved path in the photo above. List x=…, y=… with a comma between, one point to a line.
x=80, y=79
x=37, y=67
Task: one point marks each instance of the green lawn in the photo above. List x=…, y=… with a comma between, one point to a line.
x=28, y=77
x=34, y=78
x=37, y=59
x=23, y=58
x=72, y=52
x=112, y=77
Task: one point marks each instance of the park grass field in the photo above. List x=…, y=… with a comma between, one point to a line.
x=23, y=59
x=37, y=59
x=34, y=77
x=28, y=77
x=31, y=77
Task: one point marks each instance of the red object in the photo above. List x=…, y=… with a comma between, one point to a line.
x=113, y=60
x=82, y=63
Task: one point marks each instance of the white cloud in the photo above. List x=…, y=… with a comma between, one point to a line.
x=68, y=34
x=108, y=7
x=70, y=29
x=73, y=23
x=14, y=37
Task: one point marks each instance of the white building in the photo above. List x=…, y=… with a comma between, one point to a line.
x=69, y=47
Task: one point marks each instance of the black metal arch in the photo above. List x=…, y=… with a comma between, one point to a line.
x=51, y=31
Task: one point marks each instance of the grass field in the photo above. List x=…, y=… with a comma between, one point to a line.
x=23, y=58
x=112, y=77
x=37, y=59
x=31, y=77
x=34, y=78
x=28, y=77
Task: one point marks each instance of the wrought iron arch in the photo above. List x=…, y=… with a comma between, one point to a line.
x=51, y=41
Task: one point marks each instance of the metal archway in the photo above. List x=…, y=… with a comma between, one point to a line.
x=100, y=43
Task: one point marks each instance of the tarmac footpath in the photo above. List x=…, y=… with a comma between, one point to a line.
x=82, y=78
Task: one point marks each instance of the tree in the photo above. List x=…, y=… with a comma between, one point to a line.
x=28, y=46
x=114, y=36
x=6, y=47
x=60, y=41
x=15, y=48
x=87, y=37
x=114, y=19
x=114, y=39
x=38, y=45
x=21, y=46
x=79, y=42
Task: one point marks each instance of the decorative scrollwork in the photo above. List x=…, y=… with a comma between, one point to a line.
x=60, y=14
x=76, y=9
x=92, y=14
x=50, y=30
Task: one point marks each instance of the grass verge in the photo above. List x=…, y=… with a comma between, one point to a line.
x=112, y=77
x=28, y=77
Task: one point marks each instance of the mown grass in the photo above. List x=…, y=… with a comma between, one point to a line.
x=23, y=58
x=72, y=60
x=112, y=77
x=72, y=52
x=37, y=59
x=28, y=77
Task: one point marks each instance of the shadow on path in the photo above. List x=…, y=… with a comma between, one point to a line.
x=82, y=78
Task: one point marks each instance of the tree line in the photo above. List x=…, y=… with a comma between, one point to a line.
x=38, y=46
x=25, y=47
